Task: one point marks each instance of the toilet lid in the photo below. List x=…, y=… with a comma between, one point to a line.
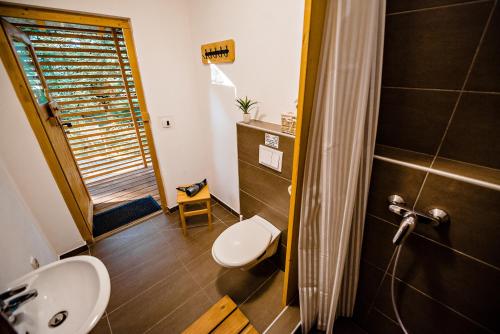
x=241, y=243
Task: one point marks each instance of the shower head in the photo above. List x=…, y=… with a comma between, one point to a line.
x=406, y=226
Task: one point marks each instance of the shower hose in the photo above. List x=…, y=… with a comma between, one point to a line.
x=398, y=317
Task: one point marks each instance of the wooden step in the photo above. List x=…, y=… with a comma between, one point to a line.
x=222, y=318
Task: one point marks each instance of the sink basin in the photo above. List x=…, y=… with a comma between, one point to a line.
x=78, y=285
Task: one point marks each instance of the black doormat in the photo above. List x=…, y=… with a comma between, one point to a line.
x=122, y=215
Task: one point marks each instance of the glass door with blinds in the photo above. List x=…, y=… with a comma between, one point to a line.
x=88, y=74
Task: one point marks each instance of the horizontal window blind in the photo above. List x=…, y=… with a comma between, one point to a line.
x=88, y=74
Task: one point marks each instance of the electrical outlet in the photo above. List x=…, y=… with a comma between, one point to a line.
x=166, y=122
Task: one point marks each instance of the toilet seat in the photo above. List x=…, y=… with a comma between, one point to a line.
x=240, y=244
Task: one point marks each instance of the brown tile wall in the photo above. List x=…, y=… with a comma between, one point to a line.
x=440, y=107
x=264, y=191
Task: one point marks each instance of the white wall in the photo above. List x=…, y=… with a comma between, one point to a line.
x=20, y=236
x=26, y=164
x=268, y=36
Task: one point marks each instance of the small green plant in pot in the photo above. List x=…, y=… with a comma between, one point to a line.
x=245, y=105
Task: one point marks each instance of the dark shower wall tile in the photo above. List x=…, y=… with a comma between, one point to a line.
x=458, y=281
x=480, y=173
x=474, y=135
x=433, y=48
x=449, y=275
x=388, y=179
x=421, y=314
x=474, y=212
x=394, y=6
x=377, y=246
x=413, y=119
x=485, y=75
x=249, y=140
x=395, y=153
x=369, y=280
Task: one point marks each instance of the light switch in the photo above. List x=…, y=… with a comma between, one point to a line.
x=270, y=157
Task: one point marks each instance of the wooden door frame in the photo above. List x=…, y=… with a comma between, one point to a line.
x=23, y=92
x=312, y=35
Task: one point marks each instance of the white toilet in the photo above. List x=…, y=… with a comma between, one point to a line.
x=246, y=243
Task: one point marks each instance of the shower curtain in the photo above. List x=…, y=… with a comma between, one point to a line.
x=338, y=160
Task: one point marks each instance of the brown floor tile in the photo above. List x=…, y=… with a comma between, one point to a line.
x=153, y=305
x=198, y=221
x=265, y=304
x=136, y=280
x=129, y=257
x=184, y=316
x=225, y=215
x=156, y=273
x=101, y=327
x=130, y=238
x=239, y=284
x=204, y=269
x=288, y=320
x=172, y=220
x=196, y=242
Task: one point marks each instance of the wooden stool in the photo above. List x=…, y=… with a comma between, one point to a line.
x=203, y=196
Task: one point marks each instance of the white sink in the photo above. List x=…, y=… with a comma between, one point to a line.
x=79, y=285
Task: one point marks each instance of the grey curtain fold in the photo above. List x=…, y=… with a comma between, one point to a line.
x=338, y=160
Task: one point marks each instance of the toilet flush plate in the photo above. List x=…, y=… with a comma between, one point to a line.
x=270, y=158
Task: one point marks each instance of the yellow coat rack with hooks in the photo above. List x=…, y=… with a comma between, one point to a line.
x=218, y=52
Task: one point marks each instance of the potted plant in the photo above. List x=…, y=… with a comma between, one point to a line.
x=245, y=105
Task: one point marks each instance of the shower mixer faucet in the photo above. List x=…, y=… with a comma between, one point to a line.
x=405, y=228
x=397, y=205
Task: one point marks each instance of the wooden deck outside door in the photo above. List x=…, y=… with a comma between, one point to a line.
x=47, y=111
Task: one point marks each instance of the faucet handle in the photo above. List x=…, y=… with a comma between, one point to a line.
x=12, y=292
x=396, y=200
x=405, y=228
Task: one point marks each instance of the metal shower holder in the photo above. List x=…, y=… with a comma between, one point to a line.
x=434, y=216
